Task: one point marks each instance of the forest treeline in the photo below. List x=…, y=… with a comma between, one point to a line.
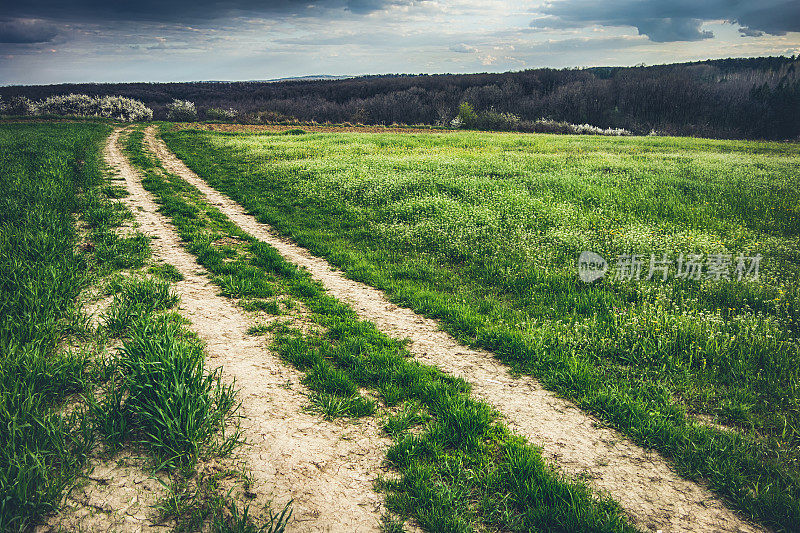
x=727, y=98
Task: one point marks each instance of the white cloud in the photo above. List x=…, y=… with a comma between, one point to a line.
x=462, y=48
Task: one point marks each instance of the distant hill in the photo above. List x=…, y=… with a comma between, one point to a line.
x=731, y=98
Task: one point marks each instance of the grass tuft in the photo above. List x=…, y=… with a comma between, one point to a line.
x=166, y=272
x=135, y=299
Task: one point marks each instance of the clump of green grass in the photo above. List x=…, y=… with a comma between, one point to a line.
x=333, y=406
x=160, y=394
x=174, y=405
x=259, y=329
x=481, y=231
x=166, y=272
x=115, y=191
x=108, y=416
x=115, y=252
x=112, y=251
x=245, y=283
x=335, y=393
x=396, y=426
x=137, y=298
x=101, y=214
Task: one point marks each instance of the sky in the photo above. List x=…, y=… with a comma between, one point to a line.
x=58, y=41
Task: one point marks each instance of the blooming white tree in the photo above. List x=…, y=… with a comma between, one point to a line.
x=181, y=111
x=81, y=105
x=122, y=108
x=19, y=105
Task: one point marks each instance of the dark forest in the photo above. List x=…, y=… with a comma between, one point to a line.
x=756, y=98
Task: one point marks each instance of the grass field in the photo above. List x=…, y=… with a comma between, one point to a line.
x=482, y=231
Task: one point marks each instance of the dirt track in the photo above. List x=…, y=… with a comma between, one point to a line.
x=652, y=494
x=326, y=467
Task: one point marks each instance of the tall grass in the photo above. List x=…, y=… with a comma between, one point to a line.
x=482, y=231
x=163, y=397
x=43, y=169
x=160, y=395
x=137, y=299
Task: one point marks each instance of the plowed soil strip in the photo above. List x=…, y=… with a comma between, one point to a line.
x=326, y=467
x=654, y=496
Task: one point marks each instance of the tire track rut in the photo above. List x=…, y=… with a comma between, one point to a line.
x=327, y=467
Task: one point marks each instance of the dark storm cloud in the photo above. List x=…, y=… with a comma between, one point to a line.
x=673, y=29
x=26, y=31
x=179, y=11
x=749, y=32
x=678, y=20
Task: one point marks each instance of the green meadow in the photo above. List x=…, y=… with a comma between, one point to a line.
x=483, y=231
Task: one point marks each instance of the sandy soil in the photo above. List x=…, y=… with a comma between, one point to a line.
x=650, y=492
x=117, y=495
x=327, y=467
